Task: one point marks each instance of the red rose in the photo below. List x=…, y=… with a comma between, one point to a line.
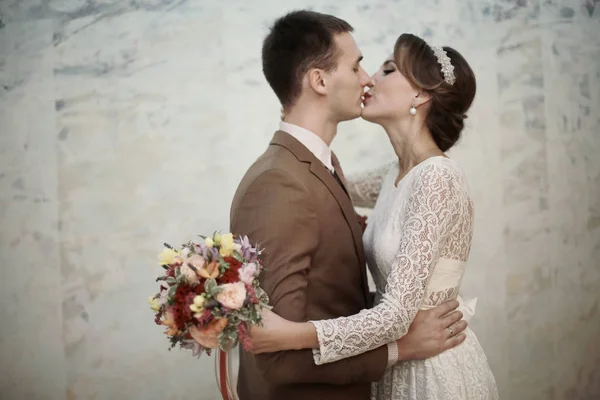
x=184, y=296
x=231, y=275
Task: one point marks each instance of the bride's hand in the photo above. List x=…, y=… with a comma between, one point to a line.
x=275, y=334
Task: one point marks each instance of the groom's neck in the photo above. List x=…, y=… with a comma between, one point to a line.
x=314, y=120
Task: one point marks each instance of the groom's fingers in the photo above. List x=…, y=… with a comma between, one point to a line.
x=445, y=308
x=454, y=341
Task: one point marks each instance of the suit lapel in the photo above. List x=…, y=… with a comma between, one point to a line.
x=355, y=226
x=321, y=172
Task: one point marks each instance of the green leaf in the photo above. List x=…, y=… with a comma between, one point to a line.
x=223, y=342
x=238, y=256
x=223, y=266
x=211, y=288
x=172, y=290
x=209, y=285
x=245, y=318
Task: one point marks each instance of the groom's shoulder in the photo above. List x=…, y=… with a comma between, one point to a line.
x=278, y=158
x=275, y=166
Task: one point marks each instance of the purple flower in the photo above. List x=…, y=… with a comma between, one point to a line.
x=194, y=346
x=248, y=252
x=201, y=249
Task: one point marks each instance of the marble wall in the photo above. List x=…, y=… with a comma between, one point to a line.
x=127, y=123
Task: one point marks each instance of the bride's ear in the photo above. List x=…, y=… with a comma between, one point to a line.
x=421, y=98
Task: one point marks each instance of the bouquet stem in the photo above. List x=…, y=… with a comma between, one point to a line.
x=224, y=373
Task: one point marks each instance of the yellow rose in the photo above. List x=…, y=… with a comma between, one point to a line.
x=167, y=256
x=227, y=239
x=154, y=303
x=217, y=238
x=209, y=242
x=227, y=245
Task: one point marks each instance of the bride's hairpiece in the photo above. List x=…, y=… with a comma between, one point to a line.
x=447, y=67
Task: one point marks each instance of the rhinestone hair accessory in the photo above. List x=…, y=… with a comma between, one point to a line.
x=447, y=67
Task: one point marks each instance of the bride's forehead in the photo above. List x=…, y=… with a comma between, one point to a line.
x=389, y=59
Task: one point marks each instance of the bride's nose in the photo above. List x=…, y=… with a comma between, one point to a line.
x=374, y=78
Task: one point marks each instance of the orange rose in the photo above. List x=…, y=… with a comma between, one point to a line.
x=169, y=321
x=209, y=271
x=209, y=335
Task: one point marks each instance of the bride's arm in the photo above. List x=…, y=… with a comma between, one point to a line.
x=364, y=187
x=431, y=209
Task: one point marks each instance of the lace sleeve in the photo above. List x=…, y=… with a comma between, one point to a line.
x=364, y=187
x=432, y=208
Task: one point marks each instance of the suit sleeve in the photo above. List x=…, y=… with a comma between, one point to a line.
x=277, y=212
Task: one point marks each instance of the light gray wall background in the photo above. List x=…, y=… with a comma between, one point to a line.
x=124, y=124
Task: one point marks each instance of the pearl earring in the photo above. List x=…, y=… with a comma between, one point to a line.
x=412, y=111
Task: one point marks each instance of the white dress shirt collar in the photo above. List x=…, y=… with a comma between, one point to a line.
x=311, y=141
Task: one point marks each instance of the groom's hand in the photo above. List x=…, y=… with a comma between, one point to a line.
x=432, y=332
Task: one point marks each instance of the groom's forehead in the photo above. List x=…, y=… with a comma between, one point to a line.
x=348, y=47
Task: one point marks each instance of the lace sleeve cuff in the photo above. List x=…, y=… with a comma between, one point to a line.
x=392, y=353
x=317, y=356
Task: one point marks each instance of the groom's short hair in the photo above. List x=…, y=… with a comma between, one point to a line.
x=297, y=42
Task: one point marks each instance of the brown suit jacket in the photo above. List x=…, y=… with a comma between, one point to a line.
x=291, y=205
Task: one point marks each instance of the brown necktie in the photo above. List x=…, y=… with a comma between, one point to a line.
x=337, y=178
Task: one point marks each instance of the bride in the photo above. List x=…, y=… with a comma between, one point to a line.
x=419, y=234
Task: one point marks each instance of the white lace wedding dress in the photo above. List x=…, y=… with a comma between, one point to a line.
x=417, y=243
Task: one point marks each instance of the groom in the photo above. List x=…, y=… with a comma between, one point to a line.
x=293, y=202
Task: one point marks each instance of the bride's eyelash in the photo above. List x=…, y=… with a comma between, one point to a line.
x=388, y=71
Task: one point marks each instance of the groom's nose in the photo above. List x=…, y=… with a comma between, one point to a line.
x=366, y=80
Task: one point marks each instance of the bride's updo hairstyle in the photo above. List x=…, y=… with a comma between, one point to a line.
x=446, y=76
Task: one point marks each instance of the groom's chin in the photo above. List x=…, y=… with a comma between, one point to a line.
x=351, y=116
x=365, y=115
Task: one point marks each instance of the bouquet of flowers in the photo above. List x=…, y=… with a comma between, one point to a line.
x=209, y=293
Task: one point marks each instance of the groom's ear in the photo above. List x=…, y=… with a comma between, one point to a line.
x=317, y=81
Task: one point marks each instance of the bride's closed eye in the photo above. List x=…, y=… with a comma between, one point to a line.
x=388, y=67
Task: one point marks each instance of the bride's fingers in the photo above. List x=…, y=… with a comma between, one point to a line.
x=452, y=318
x=445, y=308
x=454, y=341
x=459, y=327
x=455, y=329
